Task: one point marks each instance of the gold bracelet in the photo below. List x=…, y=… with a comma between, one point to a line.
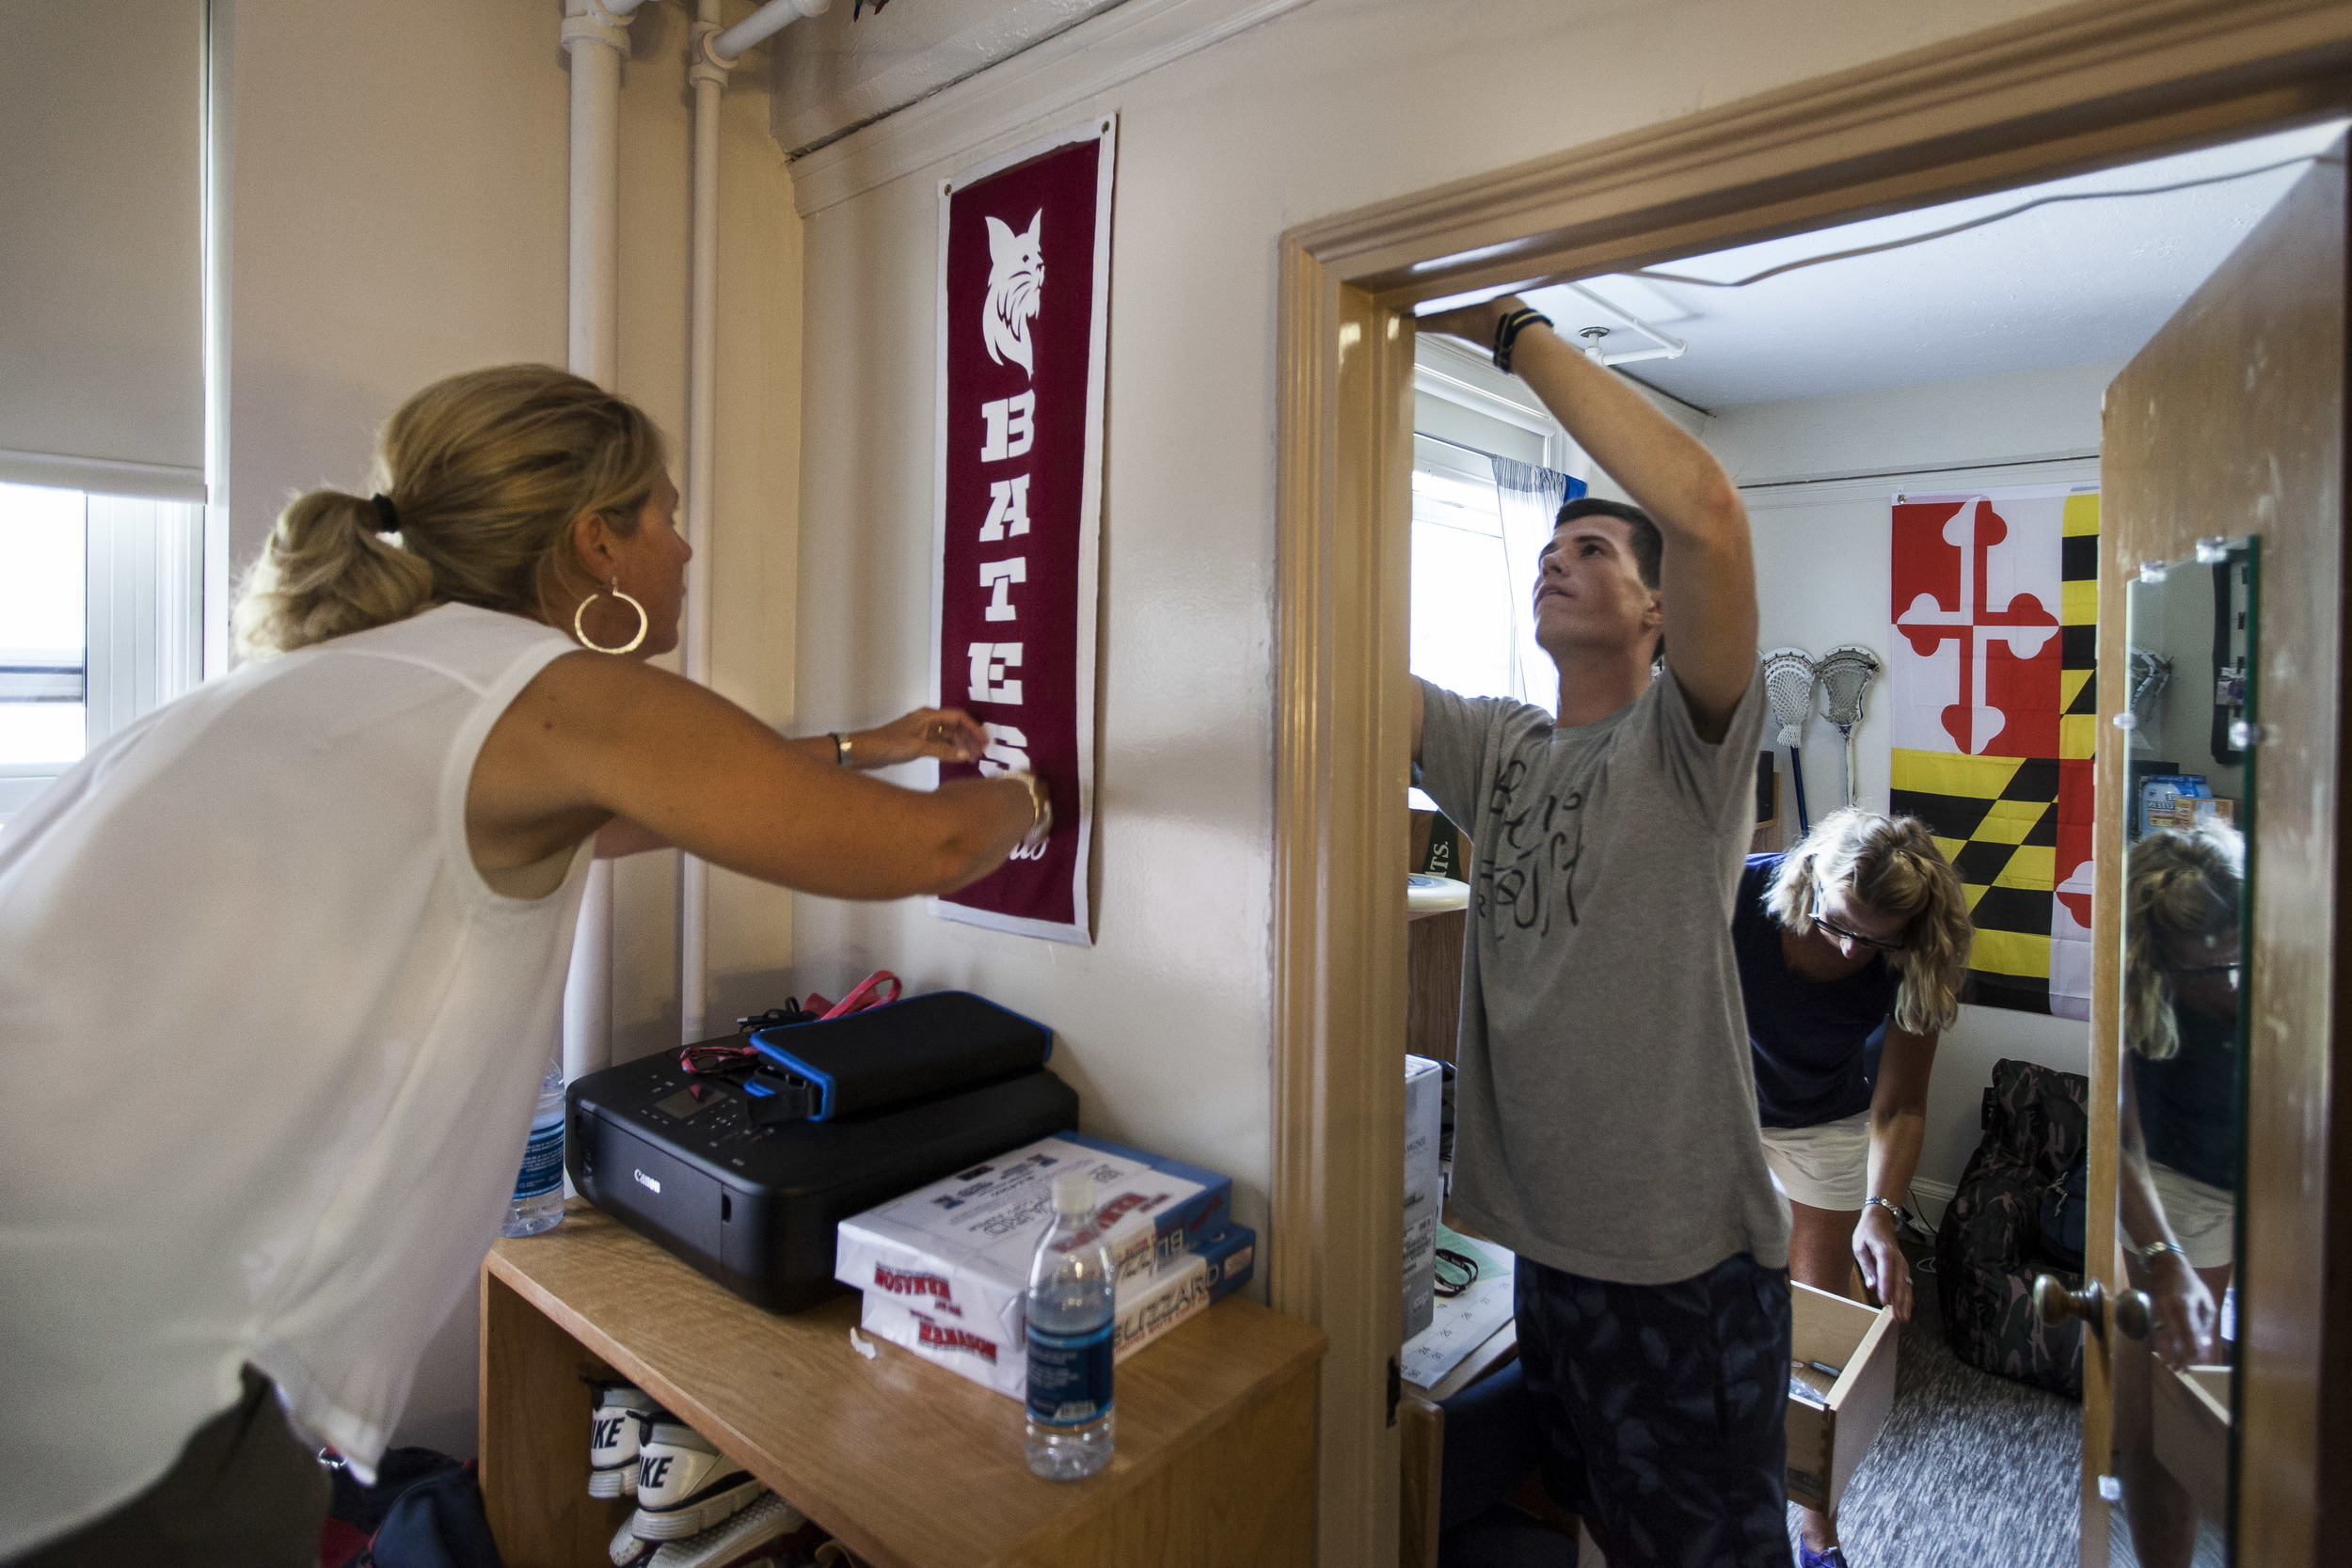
x=1040, y=811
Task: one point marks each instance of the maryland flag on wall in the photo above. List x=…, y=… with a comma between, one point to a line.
x=1995, y=710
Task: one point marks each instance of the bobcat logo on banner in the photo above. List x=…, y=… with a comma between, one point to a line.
x=1016, y=278
x=1018, y=502
x=1994, y=685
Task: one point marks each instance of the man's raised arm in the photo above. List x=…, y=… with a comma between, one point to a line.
x=1708, y=574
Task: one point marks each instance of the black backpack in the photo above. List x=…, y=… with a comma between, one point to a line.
x=423, y=1511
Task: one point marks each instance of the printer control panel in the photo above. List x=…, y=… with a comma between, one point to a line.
x=712, y=1116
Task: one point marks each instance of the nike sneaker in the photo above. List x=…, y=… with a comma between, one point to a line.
x=631, y=1552
x=617, y=1415
x=685, y=1485
x=758, y=1534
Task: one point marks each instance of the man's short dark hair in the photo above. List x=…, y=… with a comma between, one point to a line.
x=1649, y=546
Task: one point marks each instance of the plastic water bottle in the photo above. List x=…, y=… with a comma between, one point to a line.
x=538, y=1202
x=1070, y=1307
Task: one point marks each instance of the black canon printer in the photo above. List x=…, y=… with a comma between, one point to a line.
x=744, y=1172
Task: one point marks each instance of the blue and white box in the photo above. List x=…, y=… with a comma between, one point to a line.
x=957, y=1252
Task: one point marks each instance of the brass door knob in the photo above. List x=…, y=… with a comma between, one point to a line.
x=2134, y=1313
x=2056, y=1303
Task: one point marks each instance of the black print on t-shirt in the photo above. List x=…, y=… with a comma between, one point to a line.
x=1528, y=850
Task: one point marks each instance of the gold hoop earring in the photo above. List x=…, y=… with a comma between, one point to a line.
x=644, y=621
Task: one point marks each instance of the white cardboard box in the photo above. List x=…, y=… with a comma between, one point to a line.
x=959, y=1250
x=1424, y=1083
x=1149, y=1306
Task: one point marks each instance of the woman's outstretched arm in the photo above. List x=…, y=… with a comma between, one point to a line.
x=592, y=739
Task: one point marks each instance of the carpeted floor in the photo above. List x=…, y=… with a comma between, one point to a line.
x=1969, y=1469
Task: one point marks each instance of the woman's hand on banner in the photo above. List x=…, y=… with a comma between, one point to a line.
x=947, y=734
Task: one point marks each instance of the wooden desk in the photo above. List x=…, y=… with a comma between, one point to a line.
x=910, y=1465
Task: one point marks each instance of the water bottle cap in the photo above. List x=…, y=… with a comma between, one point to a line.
x=1074, y=1193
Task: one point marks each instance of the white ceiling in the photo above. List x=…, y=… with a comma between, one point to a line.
x=2064, y=284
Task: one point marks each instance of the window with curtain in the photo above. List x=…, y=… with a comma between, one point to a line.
x=102, y=387
x=100, y=622
x=1480, y=519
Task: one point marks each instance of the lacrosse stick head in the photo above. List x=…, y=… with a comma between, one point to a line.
x=1846, y=673
x=1789, y=678
x=2146, y=676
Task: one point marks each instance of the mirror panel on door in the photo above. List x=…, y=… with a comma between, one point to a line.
x=2190, y=631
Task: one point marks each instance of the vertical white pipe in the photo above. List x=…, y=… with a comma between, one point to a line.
x=220, y=52
x=702, y=395
x=595, y=39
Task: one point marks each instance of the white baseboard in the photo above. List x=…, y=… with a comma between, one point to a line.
x=1933, y=1197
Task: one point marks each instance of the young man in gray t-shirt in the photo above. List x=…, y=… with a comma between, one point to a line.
x=1605, y=1112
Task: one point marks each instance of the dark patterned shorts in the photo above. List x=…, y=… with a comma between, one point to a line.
x=1662, y=1409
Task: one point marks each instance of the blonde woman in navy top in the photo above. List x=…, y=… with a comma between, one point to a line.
x=1857, y=938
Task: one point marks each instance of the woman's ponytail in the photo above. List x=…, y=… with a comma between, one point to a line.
x=486, y=472
x=326, y=572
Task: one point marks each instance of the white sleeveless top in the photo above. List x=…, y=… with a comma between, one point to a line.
x=269, y=1048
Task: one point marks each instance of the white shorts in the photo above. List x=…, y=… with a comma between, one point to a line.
x=2204, y=1217
x=1826, y=1166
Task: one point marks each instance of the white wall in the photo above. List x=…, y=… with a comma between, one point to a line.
x=1165, y=1024
x=398, y=213
x=1823, y=574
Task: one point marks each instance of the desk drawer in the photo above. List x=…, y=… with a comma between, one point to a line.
x=1826, y=1442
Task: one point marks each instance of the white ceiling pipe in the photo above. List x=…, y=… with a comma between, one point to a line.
x=763, y=23
x=596, y=37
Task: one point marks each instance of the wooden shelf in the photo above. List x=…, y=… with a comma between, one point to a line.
x=909, y=1464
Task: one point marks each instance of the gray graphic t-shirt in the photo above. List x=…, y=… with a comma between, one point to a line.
x=1605, y=1116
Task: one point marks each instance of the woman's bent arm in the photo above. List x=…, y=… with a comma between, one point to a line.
x=592, y=739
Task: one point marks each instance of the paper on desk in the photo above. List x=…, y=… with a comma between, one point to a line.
x=1463, y=1322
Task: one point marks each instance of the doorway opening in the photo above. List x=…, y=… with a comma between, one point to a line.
x=2043, y=99
x=1869, y=386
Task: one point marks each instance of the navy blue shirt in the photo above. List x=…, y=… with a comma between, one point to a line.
x=1808, y=1038
x=2188, y=1101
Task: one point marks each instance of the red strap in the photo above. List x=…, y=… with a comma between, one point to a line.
x=863, y=997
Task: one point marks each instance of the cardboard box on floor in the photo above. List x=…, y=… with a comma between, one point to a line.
x=1825, y=1445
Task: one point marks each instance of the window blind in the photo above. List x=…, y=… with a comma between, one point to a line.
x=101, y=335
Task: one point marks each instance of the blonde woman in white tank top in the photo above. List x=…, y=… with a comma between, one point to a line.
x=281, y=965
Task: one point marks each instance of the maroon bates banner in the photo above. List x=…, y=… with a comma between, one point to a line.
x=1024, y=296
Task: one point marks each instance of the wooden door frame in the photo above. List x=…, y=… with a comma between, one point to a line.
x=2070, y=89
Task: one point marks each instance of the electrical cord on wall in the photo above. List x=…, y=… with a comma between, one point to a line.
x=1961, y=227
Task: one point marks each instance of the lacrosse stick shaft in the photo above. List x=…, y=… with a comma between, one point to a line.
x=1796, y=785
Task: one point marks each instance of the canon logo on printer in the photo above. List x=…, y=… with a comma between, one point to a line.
x=646, y=1181
x=905, y=1282
x=947, y=1337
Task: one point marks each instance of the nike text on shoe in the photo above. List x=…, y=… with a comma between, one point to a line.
x=685, y=1485
x=615, y=1413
